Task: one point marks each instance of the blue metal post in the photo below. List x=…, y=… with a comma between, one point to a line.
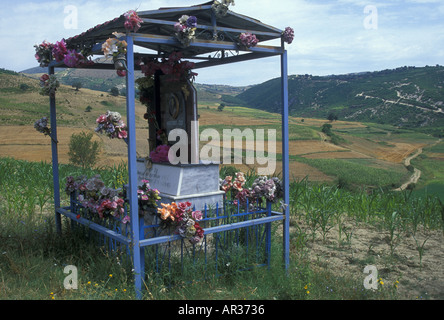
x=268, y=235
x=132, y=168
x=285, y=158
x=55, y=158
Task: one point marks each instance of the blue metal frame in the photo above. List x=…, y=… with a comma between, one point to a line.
x=136, y=241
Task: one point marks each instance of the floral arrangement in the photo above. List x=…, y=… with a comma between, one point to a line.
x=263, y=188
x=114, y=47
x=147, y=196
x=49, y=85
x=288, y=35
x=74, y=59
x=184, y=219
x=220, y=8
x=160, y=155
x=270, y=189
x=43, y=53
x=132, y=21
x=117, y=50
x=248, y=40
x=236, y=188
x=186, y=29
x=59, y=50
x=42, y=126
x=113, y=126
x=173, y=66
x=95, y=196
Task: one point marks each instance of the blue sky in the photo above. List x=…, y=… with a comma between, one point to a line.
x=331, y=37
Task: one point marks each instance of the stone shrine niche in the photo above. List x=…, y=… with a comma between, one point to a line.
x=176, y=108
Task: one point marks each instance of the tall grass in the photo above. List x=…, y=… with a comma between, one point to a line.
x=33, y=255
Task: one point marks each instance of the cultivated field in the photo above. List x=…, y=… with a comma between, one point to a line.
x=335, y=232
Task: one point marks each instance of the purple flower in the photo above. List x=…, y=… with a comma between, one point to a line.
x=288, y=35
x=191, y=22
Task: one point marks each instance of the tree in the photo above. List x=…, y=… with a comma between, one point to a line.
x=88, y=109
x=82, y=150
x=77, y=85
x=221, y=107
x=326, y=128
x=115, y=91
x=332, y=116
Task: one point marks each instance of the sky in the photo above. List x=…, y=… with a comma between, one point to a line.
x=331, y=36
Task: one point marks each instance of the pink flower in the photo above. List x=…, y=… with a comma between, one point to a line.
x=248, y=40
x=126, y=219
x=197, y=215
x=102, y=119
x=288, y=35
x=178, y=27
x=71, y=59
x=121, y=73
x=59, y=51
x=123, y=134
x=133, y=22
x=44, y=78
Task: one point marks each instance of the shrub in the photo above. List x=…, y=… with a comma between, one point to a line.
x=82, y=150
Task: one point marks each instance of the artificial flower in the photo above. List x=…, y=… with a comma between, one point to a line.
x=111, y=123
x=132, y=21
x=288, y=35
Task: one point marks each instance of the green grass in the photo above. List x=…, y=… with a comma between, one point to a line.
x=33, y=256
x=358, y=171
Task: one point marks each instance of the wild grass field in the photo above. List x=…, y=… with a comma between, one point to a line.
x=344, y=214
x=335, y=233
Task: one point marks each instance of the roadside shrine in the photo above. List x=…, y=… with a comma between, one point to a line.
x=209, y=34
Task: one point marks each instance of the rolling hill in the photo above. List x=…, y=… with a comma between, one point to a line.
x=407, y=97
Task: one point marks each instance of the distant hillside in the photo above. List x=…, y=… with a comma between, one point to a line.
x=407, y=97
x=104, y=80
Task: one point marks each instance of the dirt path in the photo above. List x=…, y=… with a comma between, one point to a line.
x=416, y=172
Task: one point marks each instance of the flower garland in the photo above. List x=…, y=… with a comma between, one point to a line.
x=186, y=29
x=184, y=219
x=132, y=21
x=112, y=124
x=46, y=52
x=173, y=66
x=49, y=85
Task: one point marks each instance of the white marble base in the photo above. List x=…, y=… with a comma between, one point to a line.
x=198, y=184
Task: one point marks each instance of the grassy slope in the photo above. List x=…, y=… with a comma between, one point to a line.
x=71, y=112
x=312, y=96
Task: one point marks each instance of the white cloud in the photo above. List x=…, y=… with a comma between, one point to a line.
x=329, y=35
